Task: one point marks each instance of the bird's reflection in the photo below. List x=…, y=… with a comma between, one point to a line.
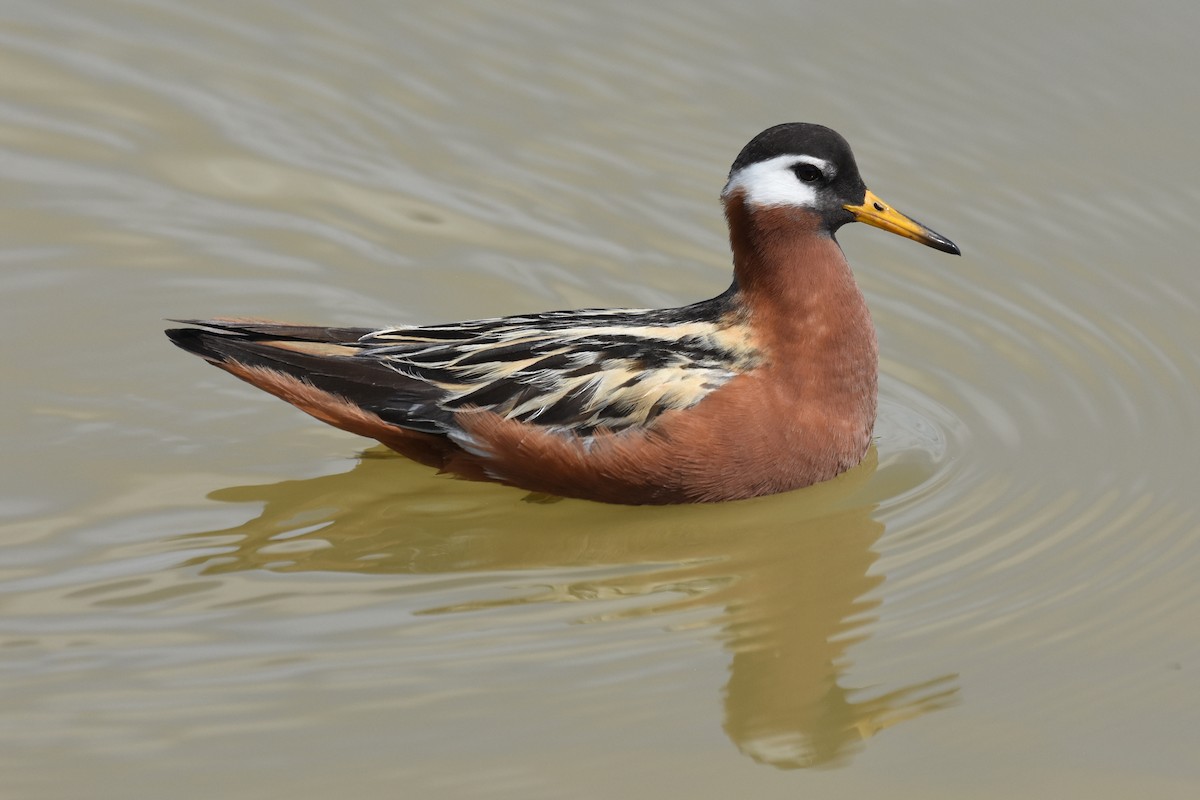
x=787, y=575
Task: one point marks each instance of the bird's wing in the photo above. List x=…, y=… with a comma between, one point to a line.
x=572, y=371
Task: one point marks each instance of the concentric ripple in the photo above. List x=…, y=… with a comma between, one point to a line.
x=1058, y=422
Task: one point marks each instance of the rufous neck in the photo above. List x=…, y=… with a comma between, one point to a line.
x=783, y=257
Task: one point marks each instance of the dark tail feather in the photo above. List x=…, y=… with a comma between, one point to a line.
x=199, y=343
x=281, y=330
x=363, y=381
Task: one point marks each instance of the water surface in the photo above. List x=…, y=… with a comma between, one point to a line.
x=205, y=592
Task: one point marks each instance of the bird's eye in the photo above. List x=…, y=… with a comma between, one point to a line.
x=807, y=173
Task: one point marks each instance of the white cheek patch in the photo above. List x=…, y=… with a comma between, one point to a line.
x=772, y=182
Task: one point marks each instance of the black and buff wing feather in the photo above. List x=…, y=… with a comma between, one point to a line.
x=569, y=371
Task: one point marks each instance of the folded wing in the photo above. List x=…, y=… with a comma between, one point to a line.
x=570, y=372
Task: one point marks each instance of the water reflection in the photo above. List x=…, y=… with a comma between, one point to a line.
x=787, y=576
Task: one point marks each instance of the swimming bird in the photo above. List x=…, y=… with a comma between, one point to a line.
x=767, y=387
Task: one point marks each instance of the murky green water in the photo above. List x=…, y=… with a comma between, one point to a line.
x=204, y=592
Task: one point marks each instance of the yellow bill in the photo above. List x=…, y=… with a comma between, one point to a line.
x=874, y=211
